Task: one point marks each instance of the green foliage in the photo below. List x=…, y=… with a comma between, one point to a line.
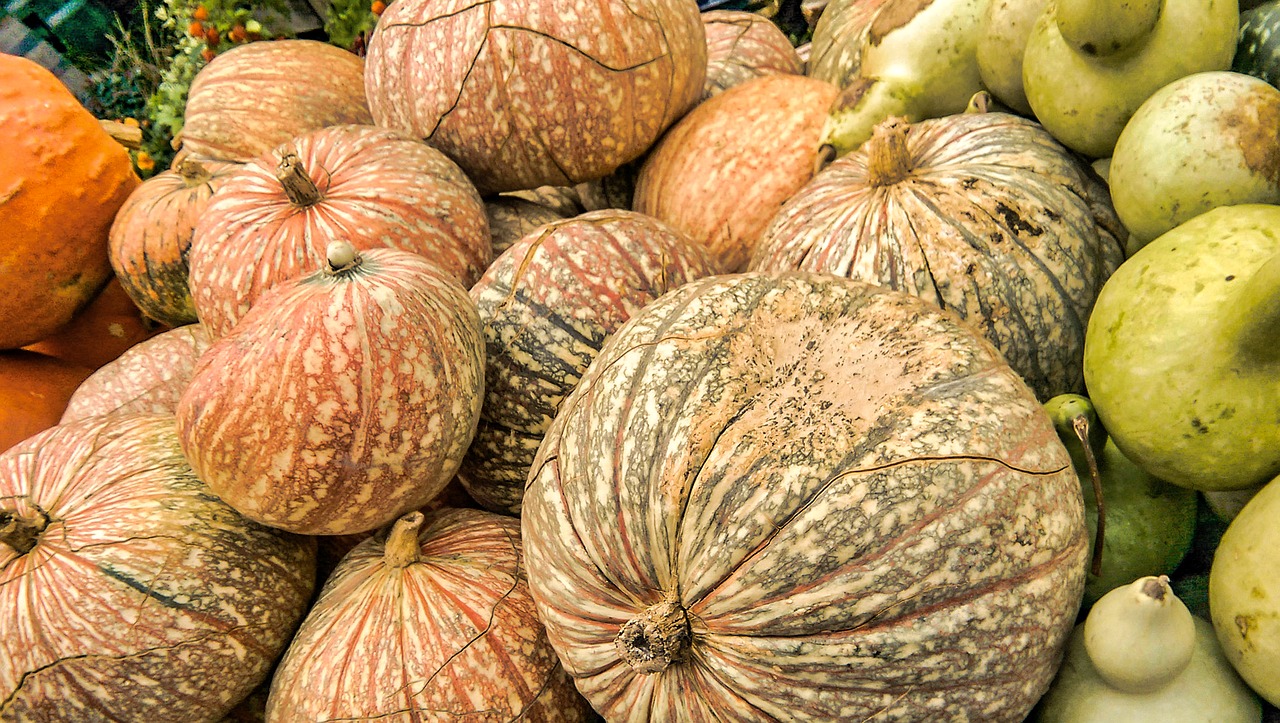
x=349, y=23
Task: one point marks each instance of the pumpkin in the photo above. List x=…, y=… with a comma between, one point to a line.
x=431, y=621
x=511, y=218
x=547, y=304
x=525, y=93
x=127, y=590
x=343, y=400
x=366, y=185
x=34, y=391
x=256, y=96
x=101, y=331
x=1256, y=51
x=799, y=497
x=151, y=237
x=148, y=378
x=742, y=46
x=839, y=37
x=983, y=214
x=59, y=170
x=723, y=171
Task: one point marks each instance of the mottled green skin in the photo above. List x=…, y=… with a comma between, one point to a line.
x=1258, y=46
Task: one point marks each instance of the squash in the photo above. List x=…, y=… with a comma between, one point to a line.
x=366, y=185
x=151, y=237
x=100, y=332
x=743, y=45
x=983, y=214
x=526, y=93
x=59, y=170
x=344, y=399
x=511, y=218
x=1257, y=53
x=547, y=304
x=127, y=590
x=431, y=621
x=34, y=390
x=148, y=378
x=256, y=96
x=798, y=497
x=722, y=172
x=839, y=38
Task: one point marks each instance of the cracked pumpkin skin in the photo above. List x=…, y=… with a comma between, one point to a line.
x=799, y=497
x=141, y=593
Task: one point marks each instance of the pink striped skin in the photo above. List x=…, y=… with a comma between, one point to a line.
x=377, y=188
x=342, y=400
x=149, y=377
x=145, y=597
x=526, y=93
x=452, y=635
x=843, y=499
x=742, y=45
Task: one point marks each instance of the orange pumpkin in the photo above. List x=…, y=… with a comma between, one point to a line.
x=102, y=331
x=34, y=390
x=152, y=235
x=62, y=178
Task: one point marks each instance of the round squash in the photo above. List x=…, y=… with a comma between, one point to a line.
x=62, y=179
x=547, y=305
x=103, y=330
x=366, y=185
x=148, y=378
x=151, y=237
x=983, y=214
x=255, y=96
x=838, y=39
x=34, y=390
x=511, y=218
x=525, y=93
x=432, y=621
x=723, y=171
x=800, y=497
x=127, y=590
x=742, y=45
x=343, y=400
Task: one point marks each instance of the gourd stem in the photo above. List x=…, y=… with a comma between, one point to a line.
x=193, y=172
x=656, y=638
x=341, y=256
x=888, y=159
x=298, y=186
x=21, y=532
x=402, y=548
x=1253, y=321
x=1081, y=426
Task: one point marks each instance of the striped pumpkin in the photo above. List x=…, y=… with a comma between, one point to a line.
x=127, y=590
x=362, y=184
x=742, y=45
x=547, y=305
x=983, y=214
x=148, y=378
x=432, y=621
x=151, y=237
x=799, y=497
x=343, y=400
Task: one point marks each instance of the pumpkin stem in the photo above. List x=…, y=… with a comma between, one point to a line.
x=888, y=160
x=193, y=172
x=298, y=186
x=126, y=135
x=656, y=638
x=1080, y=424
x=402, y=548
x=21, y=533
x=342, y=256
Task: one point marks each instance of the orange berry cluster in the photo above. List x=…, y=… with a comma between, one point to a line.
x=201, y=28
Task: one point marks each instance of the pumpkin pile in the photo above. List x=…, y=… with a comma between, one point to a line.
x=622, y=361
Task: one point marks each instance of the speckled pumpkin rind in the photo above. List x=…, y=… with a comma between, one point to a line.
x=377, y=188
x=835, y=54
x=256, y=96
x=525, y=93
x=743, y=45
x=547, y=305
x=341, y=401
x=145, y=596
x=453, y=636
x=995, y=221
x=148, y=378
x=861, y=508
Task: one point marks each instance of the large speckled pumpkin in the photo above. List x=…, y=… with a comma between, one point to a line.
x=344, y=399
x=148, y=378
x=800, y=497
x=127, y=590
x=547, y=304
x=372, y=187
x=839, y=36
x=432, y=621
x=984, y=214
x=525, y=93
x=742, y=45
x=256, y=96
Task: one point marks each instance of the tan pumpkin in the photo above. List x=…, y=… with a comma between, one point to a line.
x=369, y=186
x=742, y=45
x=799, y=497
x=148, y=378
x=432, y=621
x=256, y=96
x=344, y=399
x=983, y=214
x=127, y=590
x=151, y=237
